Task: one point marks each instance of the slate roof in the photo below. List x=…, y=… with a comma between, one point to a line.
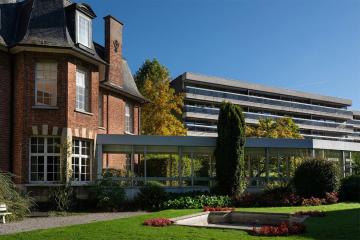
x=51, y=23
x=129, y=87
x=44, y=23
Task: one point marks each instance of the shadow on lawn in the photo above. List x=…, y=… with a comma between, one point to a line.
x=342, y=224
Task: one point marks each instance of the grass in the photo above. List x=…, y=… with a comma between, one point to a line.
x=341, y=222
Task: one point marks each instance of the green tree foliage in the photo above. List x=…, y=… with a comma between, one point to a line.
x=230, y=151
x=161, y=115
x=279, y=128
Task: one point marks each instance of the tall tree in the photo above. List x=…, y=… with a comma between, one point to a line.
x=279, y=128
x=230, y=150
x=161, y=116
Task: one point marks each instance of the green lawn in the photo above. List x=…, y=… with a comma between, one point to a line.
x=342, y=222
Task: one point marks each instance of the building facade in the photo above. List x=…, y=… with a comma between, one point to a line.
x=59, y=89
x=318, y=117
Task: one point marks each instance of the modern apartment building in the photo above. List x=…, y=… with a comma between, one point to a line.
x=319, y=117
x=60, y=88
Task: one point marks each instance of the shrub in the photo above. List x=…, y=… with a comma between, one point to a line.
x=63, y=197
x=281, y=230
x=200, y=201
x=331, y=198
x=350, y=189
x=158, y=222
x=151, y=196
x=109, y=194
x=313, y=178
x=18, y=204
x=312, y=201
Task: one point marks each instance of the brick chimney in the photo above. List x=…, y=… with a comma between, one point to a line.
x=113, y=49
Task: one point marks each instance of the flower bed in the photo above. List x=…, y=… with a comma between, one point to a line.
x=310, y=213
x=158, y=222
x=283, y=229
x=218, y=209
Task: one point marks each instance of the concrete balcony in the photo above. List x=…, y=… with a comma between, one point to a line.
x=195, y=112
x=355, y=123
x=265, y=103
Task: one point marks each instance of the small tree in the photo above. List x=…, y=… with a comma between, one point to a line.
x=63, y=195
x=161, y=115
x=230, y=151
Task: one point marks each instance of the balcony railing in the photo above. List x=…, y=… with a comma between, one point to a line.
x=292, y=106
x=256, y=116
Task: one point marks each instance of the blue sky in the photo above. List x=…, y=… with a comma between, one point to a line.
x=307, y=45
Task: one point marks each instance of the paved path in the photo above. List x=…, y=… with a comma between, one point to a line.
x=35, y=223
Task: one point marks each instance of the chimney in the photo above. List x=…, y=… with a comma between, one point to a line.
x=113, y=50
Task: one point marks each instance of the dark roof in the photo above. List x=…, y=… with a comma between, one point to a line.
x=51, y=23
x=129, y=87
x=44, y=23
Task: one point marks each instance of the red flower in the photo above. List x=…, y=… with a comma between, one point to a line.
x=280, y=230
x=158, y=222
x=218, y=209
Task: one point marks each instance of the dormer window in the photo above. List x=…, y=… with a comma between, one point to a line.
x=84, y=30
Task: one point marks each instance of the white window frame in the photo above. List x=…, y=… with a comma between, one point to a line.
x=78, y=16
x=129, y=118
x=81, y=156
x=50, y=82
x=86, y=103
x=45, y=154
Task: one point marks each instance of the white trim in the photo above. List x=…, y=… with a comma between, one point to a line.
x=87, y=85
x=80, y=157
x=78, y=15
x=45, y=155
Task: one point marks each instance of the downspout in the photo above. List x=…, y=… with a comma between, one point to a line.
x=12, y=111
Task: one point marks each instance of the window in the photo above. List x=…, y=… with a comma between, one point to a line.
x=101, y=111
x=46, y=84
x=129, y=118
x=44, y=159
x=81, y=160
x=82, y=90
x=84, y=30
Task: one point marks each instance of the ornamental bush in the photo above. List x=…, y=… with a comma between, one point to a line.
x=199, y=201
x=350, y=189
x=151, y=196
x=230, y=151
x=109, y=193
x=314, y=178
x=17, y=203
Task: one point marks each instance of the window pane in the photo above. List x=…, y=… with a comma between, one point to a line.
x=46, y=84
x=41, y=160
x=84, y=31
x=81, y=160
x=82, y=91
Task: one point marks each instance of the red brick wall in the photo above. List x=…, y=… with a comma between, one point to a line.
x=113, y=33
x=19, y=144
x=65, y=115
x=5, y=101
x=78, y=119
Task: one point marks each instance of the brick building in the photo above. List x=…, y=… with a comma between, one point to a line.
x=58, y=88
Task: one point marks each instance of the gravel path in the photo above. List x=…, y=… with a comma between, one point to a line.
x=35, y=223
